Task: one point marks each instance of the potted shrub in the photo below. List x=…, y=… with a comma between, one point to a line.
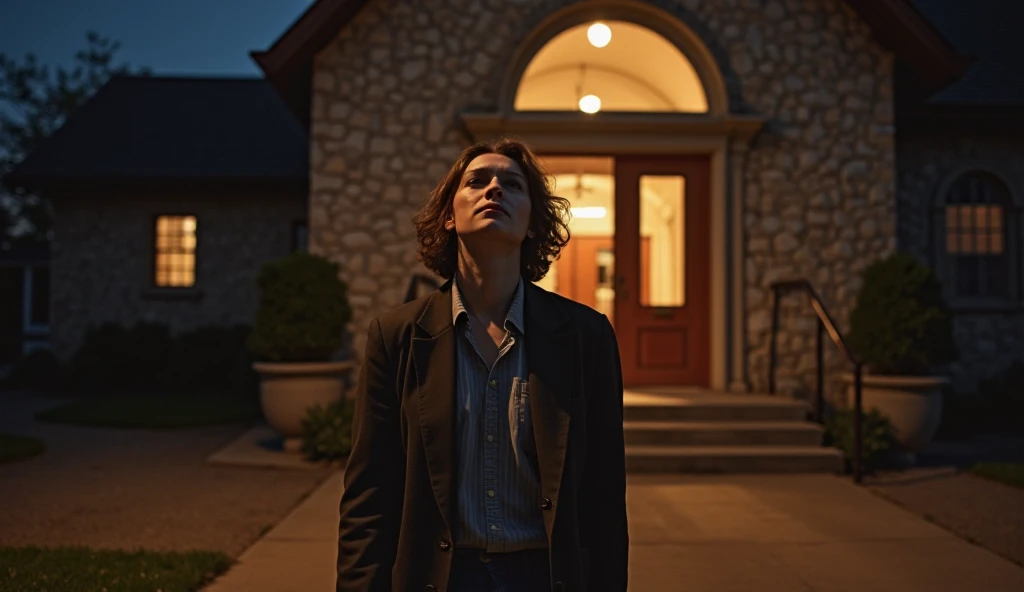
x=298, y=330
x=902, y=331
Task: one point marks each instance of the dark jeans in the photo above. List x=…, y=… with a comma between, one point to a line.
x=522, y=571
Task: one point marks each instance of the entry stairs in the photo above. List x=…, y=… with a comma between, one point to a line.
x=691, y=430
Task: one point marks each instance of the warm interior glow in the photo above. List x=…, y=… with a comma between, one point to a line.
x=599, y=35
x=590, y=104
x=593, y=213
x=175, y=251
x=641, y=72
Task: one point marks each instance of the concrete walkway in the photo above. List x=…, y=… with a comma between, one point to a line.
x=738, y=533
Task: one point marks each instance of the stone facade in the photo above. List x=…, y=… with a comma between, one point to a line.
x=818, y=180
x=988, y=341
x=102, y=255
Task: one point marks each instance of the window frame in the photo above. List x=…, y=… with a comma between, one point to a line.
x=152, y=284
x=1013, y=225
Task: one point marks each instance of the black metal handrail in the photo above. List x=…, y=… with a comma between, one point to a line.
x=825, y=323
x=414, y=283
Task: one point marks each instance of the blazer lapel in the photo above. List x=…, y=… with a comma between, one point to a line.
x=434, y=359
x=551, y=356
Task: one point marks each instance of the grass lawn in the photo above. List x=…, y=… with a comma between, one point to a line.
x=14, y=448
x=152, y=411
x=78, y=569
x=1004, y=472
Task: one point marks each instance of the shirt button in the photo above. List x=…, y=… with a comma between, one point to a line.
x=490, y=438
x=493, y=527
x=490, y=493
x=545, y=504
x=444, y=544
x=494, y=383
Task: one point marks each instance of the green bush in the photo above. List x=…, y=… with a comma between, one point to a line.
x=327, y=431
x=303, y=310
x=213, y=358
x=115, y=358
x=147, y=358
x=1000, y=400
x=38, y=369
x=876, y=436
x=900, y=324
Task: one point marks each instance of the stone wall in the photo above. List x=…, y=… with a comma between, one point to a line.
x=102, y=259
x=819, y=179
x=988, y=341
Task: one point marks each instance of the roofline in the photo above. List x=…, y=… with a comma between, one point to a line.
x=904, y=30
x=48, y=185
x=288, y=63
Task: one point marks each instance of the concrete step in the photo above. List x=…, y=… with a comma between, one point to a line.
x=722, y=433
x=728, y=408
x=733, y=459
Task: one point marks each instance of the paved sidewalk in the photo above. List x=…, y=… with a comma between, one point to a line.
x=739, y=533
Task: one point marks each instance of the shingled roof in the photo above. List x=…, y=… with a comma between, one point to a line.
x=990, y=31
x=164, y=128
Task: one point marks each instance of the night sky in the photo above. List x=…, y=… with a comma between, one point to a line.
x=198, y=37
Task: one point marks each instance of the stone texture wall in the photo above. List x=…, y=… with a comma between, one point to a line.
x=988, y=341
x=818, y=181
x=102, y=259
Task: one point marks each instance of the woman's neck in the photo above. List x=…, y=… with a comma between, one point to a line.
x=487, y=282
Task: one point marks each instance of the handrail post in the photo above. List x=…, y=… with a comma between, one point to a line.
x=819, y=403
x=772, y=348
x=857, y=412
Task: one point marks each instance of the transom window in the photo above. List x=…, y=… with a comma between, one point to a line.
x=978, y=257
x=175, y=251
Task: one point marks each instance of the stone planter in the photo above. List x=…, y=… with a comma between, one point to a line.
x=288, y=390
x=912, y=404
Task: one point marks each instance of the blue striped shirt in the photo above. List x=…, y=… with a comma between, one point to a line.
x=498, y=491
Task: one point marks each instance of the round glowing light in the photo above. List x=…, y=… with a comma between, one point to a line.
x=599, y=34
x=590, y=104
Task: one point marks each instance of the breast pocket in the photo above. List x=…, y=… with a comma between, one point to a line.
x=519, y=412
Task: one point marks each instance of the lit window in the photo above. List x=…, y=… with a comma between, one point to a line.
x=175, y=251
x=977, y=257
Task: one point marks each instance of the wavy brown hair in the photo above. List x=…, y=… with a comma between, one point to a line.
x=439, y=247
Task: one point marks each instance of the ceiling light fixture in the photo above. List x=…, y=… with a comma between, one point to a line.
x=592, y=212
x=599, y=35
x=590, y=104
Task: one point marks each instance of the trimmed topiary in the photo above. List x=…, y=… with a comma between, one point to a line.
x=303, y=310
x=901, y=324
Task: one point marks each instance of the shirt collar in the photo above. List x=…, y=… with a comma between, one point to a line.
x=513, y=317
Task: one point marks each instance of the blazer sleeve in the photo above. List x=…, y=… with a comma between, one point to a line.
x=609, y=558
x=371, y=505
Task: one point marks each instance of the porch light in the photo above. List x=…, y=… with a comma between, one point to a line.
x=593, y=212
x=590, y=104
x=599, y=34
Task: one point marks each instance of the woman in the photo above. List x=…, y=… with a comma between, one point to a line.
x=487, y=441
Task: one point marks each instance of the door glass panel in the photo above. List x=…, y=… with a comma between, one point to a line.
x=662, y=240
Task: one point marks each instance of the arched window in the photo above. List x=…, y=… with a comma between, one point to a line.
x=610, y=66
x=978, y=239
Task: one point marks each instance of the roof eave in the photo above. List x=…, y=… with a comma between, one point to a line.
x=896, y=23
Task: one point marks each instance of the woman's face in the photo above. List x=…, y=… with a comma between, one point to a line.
x=492, y=202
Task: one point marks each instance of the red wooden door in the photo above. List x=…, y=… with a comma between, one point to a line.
x=662, y=299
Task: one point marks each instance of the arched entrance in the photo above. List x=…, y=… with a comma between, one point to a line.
x=630, y=114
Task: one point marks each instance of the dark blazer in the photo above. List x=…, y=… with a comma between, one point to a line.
x=396, y=511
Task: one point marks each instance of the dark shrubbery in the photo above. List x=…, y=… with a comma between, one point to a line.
x=900, y=324
x=113, y=358
x=303, y=310
x=38, y=370
x=327, y=431
x=147, y=358
x=876, y=436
